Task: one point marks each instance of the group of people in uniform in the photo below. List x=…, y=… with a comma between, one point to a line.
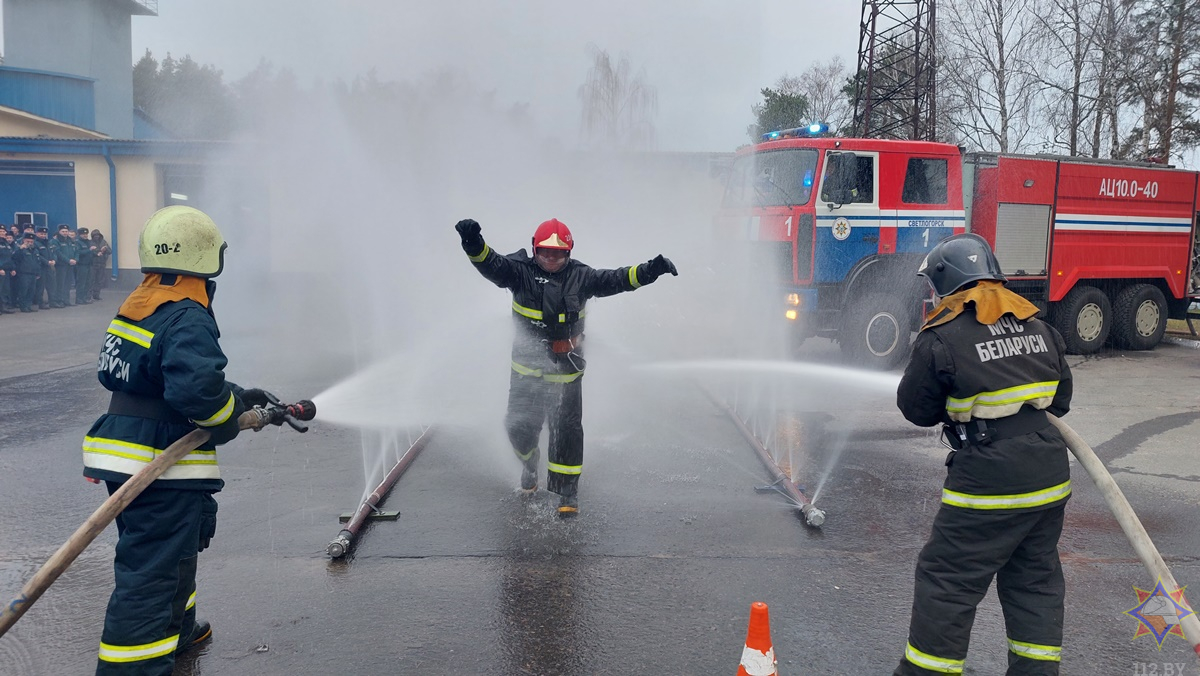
x=38, y=272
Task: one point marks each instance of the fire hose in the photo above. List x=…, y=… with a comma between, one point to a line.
x=1123, y=511
x=275, y=413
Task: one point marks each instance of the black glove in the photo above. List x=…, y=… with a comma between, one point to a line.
x=659, y=266
x=256, y=397
x=468, y=230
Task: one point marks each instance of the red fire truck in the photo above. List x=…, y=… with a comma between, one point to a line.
x=1106, y=248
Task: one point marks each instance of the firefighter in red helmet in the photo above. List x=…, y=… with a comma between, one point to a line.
x=549, y=292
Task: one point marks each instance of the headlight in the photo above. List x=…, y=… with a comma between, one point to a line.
x=793, y=299
x=790, y=314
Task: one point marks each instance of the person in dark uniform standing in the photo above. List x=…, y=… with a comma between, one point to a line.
x=549, y=292
x=28, y=266
x=165, y=369
x=100, y=264
x=43, y=289
x=62, y=248
x=989, y=371
x=83, y=270
x=8, y=273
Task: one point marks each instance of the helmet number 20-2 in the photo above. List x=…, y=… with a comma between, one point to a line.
x=166, y=248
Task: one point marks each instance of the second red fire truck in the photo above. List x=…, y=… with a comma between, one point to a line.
x=1106, y=248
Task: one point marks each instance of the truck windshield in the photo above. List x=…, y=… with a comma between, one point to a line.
x=775, y=178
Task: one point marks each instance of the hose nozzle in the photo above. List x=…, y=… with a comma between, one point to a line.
x=812, y=516
x=302, y=410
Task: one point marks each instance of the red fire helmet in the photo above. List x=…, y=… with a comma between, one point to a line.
x=553, y=234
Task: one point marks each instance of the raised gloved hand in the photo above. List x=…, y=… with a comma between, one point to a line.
x=659, y=266
x=256, y=397
x=468, y=230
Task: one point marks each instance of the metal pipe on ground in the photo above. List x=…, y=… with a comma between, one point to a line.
x=254, y=419
x=341, y=544
x=1123, y=511
x=812, y=516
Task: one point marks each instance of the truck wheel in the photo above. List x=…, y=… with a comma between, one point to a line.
x=1084, y=319
x=876, y=332
x=1139, y=317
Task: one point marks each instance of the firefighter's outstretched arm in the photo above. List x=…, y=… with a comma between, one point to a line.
x=496, y=268
x=600, y=283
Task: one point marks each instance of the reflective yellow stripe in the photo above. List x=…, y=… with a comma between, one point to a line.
x=125, y=457
x=525, y=456
x=526, y=312
x=633, y=277
x=526, y=371
x=191, y=602
x=134, y=334
x=564, y=469
x=562, y=377
x=140, y=453
x=482, y=254
x=942, y=665
x=1012, y=395
x=1015, y=501
x=220, y=416
x=137, y=653
x=1046, y=653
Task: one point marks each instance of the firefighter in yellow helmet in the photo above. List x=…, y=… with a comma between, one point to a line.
x=165, y=369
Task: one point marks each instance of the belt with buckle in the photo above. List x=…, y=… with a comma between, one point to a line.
x=565, y=346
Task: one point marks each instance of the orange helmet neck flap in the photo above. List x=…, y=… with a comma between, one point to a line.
x=553, y=234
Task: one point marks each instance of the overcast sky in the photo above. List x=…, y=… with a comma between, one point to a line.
x=707, y=58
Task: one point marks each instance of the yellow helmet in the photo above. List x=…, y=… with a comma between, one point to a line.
x=181, y=240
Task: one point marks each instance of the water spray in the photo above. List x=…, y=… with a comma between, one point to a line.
x=369, y=509
x=812, y=516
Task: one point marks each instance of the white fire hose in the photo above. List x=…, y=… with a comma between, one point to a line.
x=1133, y=528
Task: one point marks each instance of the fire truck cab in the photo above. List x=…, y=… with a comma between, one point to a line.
x=1104, y=248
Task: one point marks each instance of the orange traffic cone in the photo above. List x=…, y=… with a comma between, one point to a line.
x=758, y=657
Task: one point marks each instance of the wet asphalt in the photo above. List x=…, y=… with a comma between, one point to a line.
x=656, y=574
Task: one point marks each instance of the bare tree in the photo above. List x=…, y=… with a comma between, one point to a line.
x=618, y=105
x=823, y=86
x=988, y=53
x=1070, y=59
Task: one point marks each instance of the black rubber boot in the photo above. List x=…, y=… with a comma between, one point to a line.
x=568, y=505
x=201, y=634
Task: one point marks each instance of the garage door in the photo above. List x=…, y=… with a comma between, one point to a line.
x=38, y=187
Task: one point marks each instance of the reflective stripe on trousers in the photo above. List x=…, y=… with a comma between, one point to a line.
x=548, y=377
x=138, y=653
x=1046, y=653
x=942, y=665
x=1014, y=501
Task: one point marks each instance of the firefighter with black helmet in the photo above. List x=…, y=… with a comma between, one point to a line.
x=163, y=364
x=550, y=290
x=988, y=370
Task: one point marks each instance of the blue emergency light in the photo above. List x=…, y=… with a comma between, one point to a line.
x=814, y=129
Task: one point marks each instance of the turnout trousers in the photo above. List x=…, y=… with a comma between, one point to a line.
x=965, y=550
x=532, y=400
x=152, y=610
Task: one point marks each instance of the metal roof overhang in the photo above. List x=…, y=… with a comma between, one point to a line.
x=115, y=147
